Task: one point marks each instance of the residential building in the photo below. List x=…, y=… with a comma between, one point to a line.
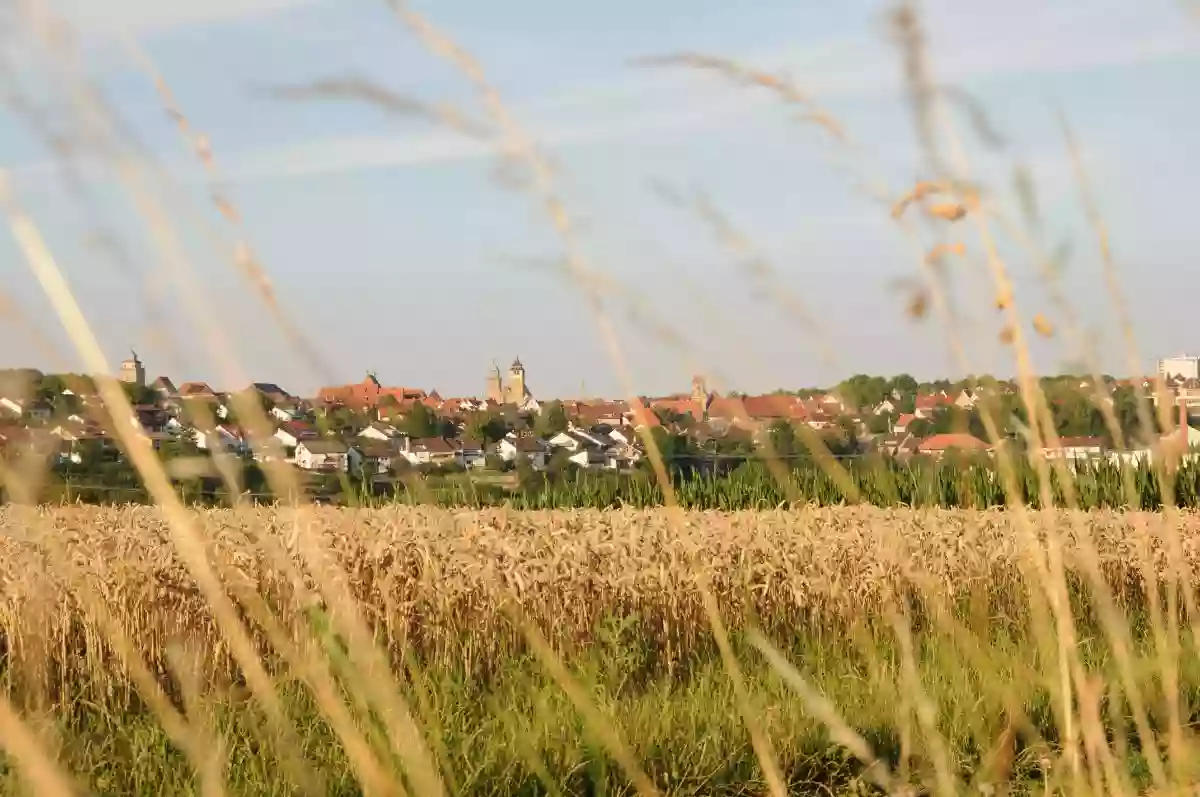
x=1181, y=367
x=378, y=430
x=199, y=390
x=287, y=411
x=903, y=422
x=322, y=454
x=291, y=433
x=375, y=457
x=1077, y=449
x=221, y=438
x=367, y=394
x=472, y=452
x=271, y=391
x=512, y=447
x=433, y=451
x=165, y=388
x=940, y=444
x=927, y=404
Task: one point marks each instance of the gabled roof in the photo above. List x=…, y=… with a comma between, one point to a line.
x=944, y=442
x=433, y=445
x=299, y=430
x=271, y=390
x=378, y=449
x=931, y=401
x=323, y=445
x=526, y=445
x=195, y=389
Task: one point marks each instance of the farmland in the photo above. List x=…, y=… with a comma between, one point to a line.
x=500, y=652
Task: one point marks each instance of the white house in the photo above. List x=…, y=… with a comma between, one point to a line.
x=291, y=433
x=286, y=412
x=575, y=438
x=221, y=438
x=433, y=451
x=529, y=404
x=375, y=456
x=966, y=400
x=885, y=407
x=531, y=448
x=1076, y=449
x=322, y=454
x=381, y=431
x=472, y=452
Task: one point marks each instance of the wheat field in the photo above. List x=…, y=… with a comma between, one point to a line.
x=588, y=651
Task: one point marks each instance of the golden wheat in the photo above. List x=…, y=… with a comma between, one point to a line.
x=431, y=578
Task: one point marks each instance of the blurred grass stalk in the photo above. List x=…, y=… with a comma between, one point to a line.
x=694, y=709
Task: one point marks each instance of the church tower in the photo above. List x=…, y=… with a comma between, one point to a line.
x=517, y=389
x=133, y=371
x=495, y=385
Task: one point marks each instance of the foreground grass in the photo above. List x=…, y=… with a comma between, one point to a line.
x=616, y=596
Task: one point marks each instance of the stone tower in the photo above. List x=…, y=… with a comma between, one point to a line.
x=495, y=385
x=516, y=390
x=133, y=371
x=699, y=388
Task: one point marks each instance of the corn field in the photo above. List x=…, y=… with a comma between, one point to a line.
x=879, y=482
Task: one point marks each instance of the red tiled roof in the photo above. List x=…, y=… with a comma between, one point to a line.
x=367, y=393
x=298, y=430
x=643, y=416
x=681, y=406
x=434, y=445
x=906, y=419
x=195, y=389
x=932, y=401
x=943, y=442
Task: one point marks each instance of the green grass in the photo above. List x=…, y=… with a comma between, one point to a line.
x=511, y=730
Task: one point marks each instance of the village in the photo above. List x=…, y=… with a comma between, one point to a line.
x=372, y=430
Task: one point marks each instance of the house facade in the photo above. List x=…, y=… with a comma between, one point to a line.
x=322, y=455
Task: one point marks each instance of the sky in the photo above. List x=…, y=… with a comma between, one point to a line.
x=397, y=244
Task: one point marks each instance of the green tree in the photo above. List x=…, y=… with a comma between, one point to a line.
x=921, y=427
x=421, y=422
x=864, y=391
x=879, y=424
x=783, y=439
x=551, y=420
x=139, y=394
x=486, y=427
x=904, y=384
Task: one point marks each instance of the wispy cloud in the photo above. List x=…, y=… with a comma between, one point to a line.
x=1032, y=39
x=370, y=151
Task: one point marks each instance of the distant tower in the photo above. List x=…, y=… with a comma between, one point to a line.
x=495, y=385
x=133, y=371
x=699, y=388
x=517, y=391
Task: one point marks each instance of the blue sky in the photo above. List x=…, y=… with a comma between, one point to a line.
x=398, y=246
